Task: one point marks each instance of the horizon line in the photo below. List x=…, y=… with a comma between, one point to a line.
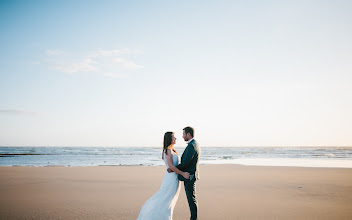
x=150, y=146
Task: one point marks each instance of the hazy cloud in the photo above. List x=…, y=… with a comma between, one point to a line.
x=127, y=64
x=111, y=63
x=125, y=51
x=86, y=65
x=16, y=112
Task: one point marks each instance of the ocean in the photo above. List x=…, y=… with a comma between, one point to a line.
x=151, y=156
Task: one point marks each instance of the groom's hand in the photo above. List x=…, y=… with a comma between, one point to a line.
x=169, y=170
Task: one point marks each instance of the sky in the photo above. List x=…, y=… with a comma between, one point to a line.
x=122, y=73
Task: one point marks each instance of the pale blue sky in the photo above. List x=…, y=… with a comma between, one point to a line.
x=122, y=73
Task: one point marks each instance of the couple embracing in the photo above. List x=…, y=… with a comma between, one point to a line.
x=161, y=205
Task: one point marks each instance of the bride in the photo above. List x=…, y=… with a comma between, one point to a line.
x=161, y=205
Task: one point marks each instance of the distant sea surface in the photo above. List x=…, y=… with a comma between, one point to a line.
x=151, y=156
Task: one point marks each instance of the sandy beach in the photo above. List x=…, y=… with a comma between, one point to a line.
x=224, y=192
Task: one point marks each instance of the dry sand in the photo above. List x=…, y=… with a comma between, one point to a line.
x=224, y=192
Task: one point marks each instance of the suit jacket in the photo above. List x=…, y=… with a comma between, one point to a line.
x=190, y=160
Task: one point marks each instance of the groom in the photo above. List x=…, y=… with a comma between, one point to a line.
x=189, y=163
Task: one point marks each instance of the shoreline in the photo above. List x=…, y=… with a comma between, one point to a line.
x=163, y=166
x=224, y=192
x=85, y=156
x=263, y=162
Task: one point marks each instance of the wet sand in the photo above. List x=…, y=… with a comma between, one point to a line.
x=224, y=192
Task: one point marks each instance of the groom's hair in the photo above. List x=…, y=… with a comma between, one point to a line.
x=189, y=130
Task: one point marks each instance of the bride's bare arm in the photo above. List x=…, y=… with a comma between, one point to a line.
x=172, y=167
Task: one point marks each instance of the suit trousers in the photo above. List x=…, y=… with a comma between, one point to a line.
x=190, y=188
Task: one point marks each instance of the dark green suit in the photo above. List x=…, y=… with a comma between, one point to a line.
x=189, y=163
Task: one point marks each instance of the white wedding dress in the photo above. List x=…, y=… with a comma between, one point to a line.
x=161, y=205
